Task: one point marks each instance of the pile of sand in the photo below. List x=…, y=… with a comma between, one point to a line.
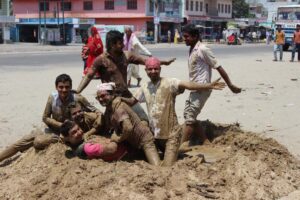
x=237, y=165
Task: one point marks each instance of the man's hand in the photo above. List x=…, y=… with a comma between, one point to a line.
x=216, y=85
x=86, y=137
x=114, y=138
x=168, y=62
x=235, y=89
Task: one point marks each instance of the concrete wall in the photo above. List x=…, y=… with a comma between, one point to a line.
x=29, y=9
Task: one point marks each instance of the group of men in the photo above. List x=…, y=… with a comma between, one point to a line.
x=280, y=40
x=124, y=125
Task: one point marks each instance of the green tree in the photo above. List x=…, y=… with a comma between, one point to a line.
x=240, y=9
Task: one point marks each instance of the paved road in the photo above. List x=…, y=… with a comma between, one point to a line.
x=37, y=60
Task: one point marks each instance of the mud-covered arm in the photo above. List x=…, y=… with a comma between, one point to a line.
x=167, y=62
x=141, y=47
x=227, y=80
x=90, y=74
x=216, y=85
x=129, y=101
x=50, y=122
x=86, y=105
x=96, y=118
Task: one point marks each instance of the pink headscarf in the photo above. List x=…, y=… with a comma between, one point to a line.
x=152, y=62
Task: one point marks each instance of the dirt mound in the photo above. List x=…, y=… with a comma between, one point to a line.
x=237, y=165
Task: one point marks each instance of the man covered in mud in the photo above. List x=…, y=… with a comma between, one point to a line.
x=126, y=123
x=56, y=112
x=112, y=67
x=93, y=147
x=91, y=123
x=160, y=94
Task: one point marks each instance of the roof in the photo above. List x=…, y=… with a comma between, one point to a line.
x=290, y=6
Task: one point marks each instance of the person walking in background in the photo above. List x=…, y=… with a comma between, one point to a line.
x=84, y=51
x=95, y=48
x=169, y=36
x=132, y=44
x=279, y=42
x=176, y=36
x=268, y=37
x=296, y=43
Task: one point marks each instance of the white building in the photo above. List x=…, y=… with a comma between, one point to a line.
x=270, y=6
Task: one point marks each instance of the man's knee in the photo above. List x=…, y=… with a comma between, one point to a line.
x=44, y=140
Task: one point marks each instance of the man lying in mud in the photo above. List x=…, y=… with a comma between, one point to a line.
x=92, y=147
x=160, y=94
x=126, y=123
x=56, y=112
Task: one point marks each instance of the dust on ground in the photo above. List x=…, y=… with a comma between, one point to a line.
x=238, y=165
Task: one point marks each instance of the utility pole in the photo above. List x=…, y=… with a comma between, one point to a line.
x=155, y=19
x=39, y=32
x=45, y=28
x=63, y=21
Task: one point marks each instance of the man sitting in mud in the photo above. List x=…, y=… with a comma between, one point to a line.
x=94, y=147
x=126, y=123
x=160, y=94
x=56, y=112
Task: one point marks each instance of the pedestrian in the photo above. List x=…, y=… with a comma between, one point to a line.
x=126, y=123
x=169, y=36
x=279, y=42
x=132, y=44
x=224, y=35
x=159, y=94
x=95, y=46
x=296, y=43
x=176, y=36
x=95, y=148
x=201, y=62
x=84, y=51
x=268, y=37
x=112, y=65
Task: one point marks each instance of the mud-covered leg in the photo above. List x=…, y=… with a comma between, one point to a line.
x=172, y=146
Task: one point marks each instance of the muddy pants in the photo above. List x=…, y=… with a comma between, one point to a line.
x=36, y=138
x=170, y=146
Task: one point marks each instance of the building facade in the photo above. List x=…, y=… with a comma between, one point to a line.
x=71, y=18
x=6, y=21
x=266, y=10
x=212, y=15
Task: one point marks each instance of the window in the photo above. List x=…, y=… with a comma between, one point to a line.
x=151, y=4
x=222, y=8
x=42, y=6
x=0, y=4
x=229, y=9
x=88, y=5
x=109, y=5
x=187, y=5
x=218, y=7
x=131, y=4
x=192, y=6
x=206, y=8
x=197, y=6
x=201, y=6
x=66, y=6
x=225, y=8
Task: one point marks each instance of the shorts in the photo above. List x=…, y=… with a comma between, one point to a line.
x=194, y=105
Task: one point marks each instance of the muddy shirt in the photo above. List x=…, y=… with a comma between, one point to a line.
x=56, y=111
x=201, y=61
x=117, y=113
x=160, y=100
x=115, y=70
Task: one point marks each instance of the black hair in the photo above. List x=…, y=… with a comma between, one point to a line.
x=191, y=29
x=63, y=78
x=66, y=127
x=112, y=37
